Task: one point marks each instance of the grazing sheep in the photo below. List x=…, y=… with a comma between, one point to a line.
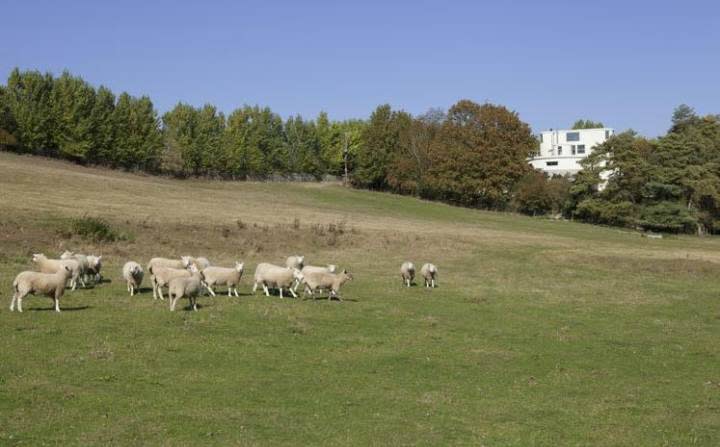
x=133, y=274
x=407, y=272
x=165, y=263
x=50, y=284
x=295, y=262
x=188, y=287
x=84, y=264
x=94, y=266
x=220, y=276
x=201, y=263
x=53, y=265
x=161, y=277
x=331, y=268
x=270, y=275
x=429, y=273
x=315, y=281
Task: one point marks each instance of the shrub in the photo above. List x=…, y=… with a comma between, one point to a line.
x=95, y=229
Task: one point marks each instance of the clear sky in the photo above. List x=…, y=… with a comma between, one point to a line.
x=626, y=63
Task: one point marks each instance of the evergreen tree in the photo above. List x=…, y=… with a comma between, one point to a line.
x=181, y=155
x=7, y=122
x=138, y=138
x=29, y=99
x=209, y=129
x=241, y=145
x=73, y=101
x=103, y=127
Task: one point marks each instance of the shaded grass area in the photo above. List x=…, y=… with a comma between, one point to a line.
x=541, y=333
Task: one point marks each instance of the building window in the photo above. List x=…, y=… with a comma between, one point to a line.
x=572, y=136
x=580, y=148
x=551, y=163
x=559, y=150
x=607, y=134
x=572, y=149
x=541, y=138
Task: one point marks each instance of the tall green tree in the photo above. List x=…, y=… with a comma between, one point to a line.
x=241, y=144
x=209, y=129
x=303, y=147
x=138, y=138
x=182, y=155
x=7, y=122
x=73, y=101
x=29, y=99
x=380, y=141
x=103, y=127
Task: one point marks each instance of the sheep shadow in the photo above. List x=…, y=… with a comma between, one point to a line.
x=325, y=298
x=62, y=308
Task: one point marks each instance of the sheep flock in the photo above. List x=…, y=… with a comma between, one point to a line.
x=190, y=277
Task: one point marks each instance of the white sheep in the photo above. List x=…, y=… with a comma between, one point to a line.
x=331, y=268
x=133, y=274
x=276, y=276
x=161, y=277
x=295, y=262
x=167, y=262
x=187, y=287
x=84, y=264
x=201, y=262
x=164, y=263
x=94, y=266
x=315, y=281
x=407, y=272
x=50, y=284
x=46, y=265
x=429, y=273
x=221, y=276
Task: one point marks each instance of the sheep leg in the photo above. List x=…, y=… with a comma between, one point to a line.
x=267, y=291
x=293, y=292
x=159, y=289
x=281, y=292
x=154, y=285
x=433, y=283
x=12, y=303
x=237, y=295
x=57, y=304
x=19, y=303
x=212, y=292
x=229, y=290
x=173, y=301
x=193, y=302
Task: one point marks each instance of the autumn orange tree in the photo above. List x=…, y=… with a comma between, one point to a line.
x=479, y=155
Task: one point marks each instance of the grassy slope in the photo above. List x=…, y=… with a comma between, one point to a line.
x=542, y=333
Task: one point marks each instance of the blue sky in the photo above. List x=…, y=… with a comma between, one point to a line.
x=625, y=63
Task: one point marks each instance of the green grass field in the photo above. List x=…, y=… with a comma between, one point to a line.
x=541, y=332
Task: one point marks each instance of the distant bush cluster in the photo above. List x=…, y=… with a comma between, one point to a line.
x=472, y=155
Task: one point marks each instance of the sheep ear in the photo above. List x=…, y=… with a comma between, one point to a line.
x=345, y=271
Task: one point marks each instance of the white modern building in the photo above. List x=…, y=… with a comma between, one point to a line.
x=562, y=150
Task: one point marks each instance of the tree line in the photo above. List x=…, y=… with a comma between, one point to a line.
x=473, y=155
